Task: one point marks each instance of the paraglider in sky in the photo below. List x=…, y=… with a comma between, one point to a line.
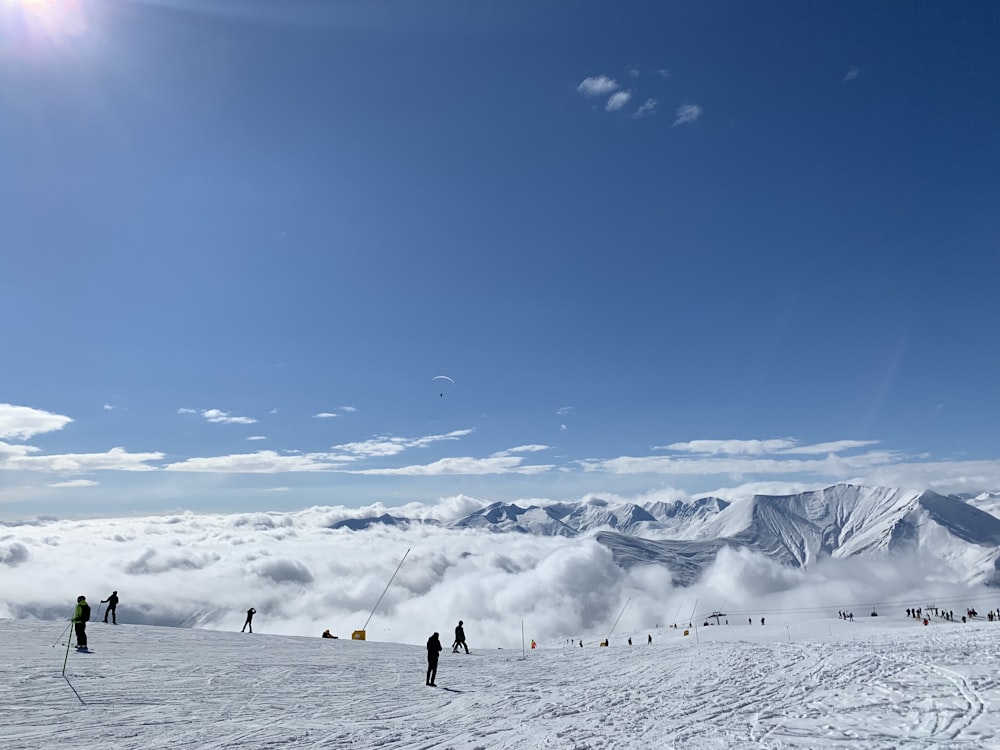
x=443, y=377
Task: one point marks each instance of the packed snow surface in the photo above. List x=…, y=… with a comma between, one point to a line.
x=885, y=682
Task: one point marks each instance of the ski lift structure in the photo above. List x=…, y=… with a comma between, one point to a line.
x=716, y=614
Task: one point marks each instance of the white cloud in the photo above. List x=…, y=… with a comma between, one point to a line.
x=732, y=447
x=617, y=100
x=391, y=446
x=108, y=407
x=461, y=466
x=23, y=422
x=835, y=446
x=597, y=86
x=522, y=449
x=217, y=416
x=261, y=462
x=325, y=415
x=348, y=409
x=563, y=410
x=851, y=74
x=74, y=483
x=663, y=73
x=833, y=466
x=634, y=71
x=257, y=437
x=184, y=410
x=687, y=113
x=116, y=459
x=646, y=109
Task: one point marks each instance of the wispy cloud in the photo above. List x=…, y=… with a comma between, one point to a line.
x=391, y=446
x=108, y=407
x=462, y=466
x=731, y=447
x=687, y=113
x=850, y=75
x=185, y=410
x=597, y=86
x=646, y=109
x=257, y=437
x=74, y=483
x=23, y=422
x=634, y=71
x=617, y=100
x=663, y=73
x=521, y=449
x=261, y=462
x=325, y=415
x=563, y=410
x=116, y=459
x=217, y=416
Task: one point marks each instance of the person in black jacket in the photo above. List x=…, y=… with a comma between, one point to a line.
x=249, y=623
x=112, y=602
x=433, y=651
x=80, y=617
x=459, y=639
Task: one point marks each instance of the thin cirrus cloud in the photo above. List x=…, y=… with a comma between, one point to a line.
x=617, y=100
x=687, y=113
x=391, y=446
x=764, y=447
x=646, y=109
x=850, y=75
x=597, y=86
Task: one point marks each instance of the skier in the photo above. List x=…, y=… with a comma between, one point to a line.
x=433, y=651
x=249, y=623
x=649, y=639
x=112, y=602
x=80, y=618
x=459, y=639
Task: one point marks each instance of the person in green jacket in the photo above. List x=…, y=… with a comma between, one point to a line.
x=80, y=617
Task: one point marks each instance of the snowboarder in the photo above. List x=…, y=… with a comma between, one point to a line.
x=249, y=623
x=328, y=634
x=112, y=602
x=433, y=651
x=459, y=639
x=80, y=618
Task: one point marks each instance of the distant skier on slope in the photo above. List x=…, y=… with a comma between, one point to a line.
x=112, y=602
x=459, y=639
x=249, y=623
x=433, y=651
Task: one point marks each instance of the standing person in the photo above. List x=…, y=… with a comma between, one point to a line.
x=112, y=602
x=80, y=618
x=459, y=639
x=249, y=623
x=433, y=651
x=649, y=639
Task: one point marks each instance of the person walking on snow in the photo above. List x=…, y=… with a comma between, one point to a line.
x=80, y=618
x=459, y=639
x=433, y=651
x=249, y=623
x=112, y=602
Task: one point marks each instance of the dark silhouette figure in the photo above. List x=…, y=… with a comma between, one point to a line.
x=80, y=617
x=581, y=644
x=112, y=602
x=749, y=621
x=433, y=651
x=328, y=634
x=630, y=640
x=459, y=639
x=249, y=623
x=761, y=620
x=649, y=639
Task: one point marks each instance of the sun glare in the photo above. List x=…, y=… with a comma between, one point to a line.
x=46, y=21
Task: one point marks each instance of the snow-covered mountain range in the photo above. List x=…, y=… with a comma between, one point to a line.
x=962, y=534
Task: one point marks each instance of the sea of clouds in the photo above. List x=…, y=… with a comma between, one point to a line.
x=206, y=570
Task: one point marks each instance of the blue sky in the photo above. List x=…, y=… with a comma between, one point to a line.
x=660, y=249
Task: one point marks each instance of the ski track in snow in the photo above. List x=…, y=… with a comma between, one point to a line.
x=824, y=684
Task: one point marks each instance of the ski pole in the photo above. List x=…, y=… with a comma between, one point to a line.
x=65, y=660
x=60, y=637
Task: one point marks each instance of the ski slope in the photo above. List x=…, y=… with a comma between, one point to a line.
x=885, y=682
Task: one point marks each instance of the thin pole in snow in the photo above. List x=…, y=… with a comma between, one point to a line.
x=619, y=617
x=522, y=640
x=60, y=637
x=365, y=626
